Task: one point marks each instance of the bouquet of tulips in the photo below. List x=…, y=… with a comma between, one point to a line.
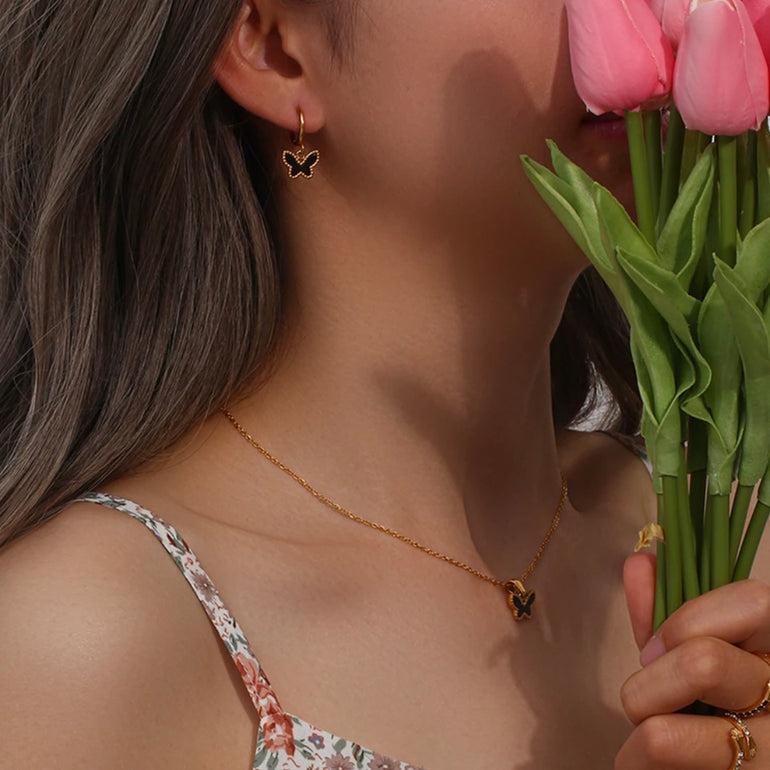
x=692, y=274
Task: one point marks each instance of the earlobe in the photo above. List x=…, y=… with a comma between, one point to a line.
x=255, y=71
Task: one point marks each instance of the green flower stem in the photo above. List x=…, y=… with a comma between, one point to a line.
x=751, y=541
x=660, y=613
x=720, y=541
x=738, y=516
x=690, y=580
x=763, y=173
x=645, y=208
x=747, y=176
x=698, y=506
x=697, y=451
x=672, y=165
x=742, y=165
x=705, y=553
x=694, y=144
x=728, y=198
x=674, y=580
x=653, y=125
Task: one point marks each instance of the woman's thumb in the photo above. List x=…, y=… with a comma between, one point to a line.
x=639, y=583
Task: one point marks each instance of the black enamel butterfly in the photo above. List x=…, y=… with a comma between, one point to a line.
x=520, y=600
x=522, y=605
x=300, y=164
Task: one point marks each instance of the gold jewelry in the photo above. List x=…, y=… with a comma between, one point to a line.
x=744, y=747
x=299, y=162
x=762, y=703
x=520, y=600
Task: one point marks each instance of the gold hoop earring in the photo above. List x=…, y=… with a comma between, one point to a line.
x=299, y=162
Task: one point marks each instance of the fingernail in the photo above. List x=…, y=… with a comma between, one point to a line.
x=652, y=650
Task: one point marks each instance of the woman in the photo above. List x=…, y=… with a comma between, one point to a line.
x=379, y=317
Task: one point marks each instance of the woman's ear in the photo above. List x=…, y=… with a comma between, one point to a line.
x=261, y=68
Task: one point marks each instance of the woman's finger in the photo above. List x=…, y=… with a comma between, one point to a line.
x=705, y=669
x=684, y=742
x=738, y=613
x=639, y=583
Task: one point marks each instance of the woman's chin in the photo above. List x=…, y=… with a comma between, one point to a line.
x=620, y=184
x=611, y=168
x=602, y=152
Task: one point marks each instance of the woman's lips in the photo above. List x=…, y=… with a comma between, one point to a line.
x=606, y=117
x=612, y=125
x=608, y=125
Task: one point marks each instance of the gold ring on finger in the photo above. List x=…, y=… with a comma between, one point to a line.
x=764, y=701
x=744, y=747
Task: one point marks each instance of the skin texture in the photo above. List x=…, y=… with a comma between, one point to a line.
x=425, y=280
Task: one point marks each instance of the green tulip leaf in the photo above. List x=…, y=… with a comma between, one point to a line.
x=560, y=198
x=683, y=237
x=664, y=291
x=664, y=374
x=753, y=340
x=571, y=184
x=661, y=418
x=678, y=310
x=664, y=371
x=575, y=208
x=567, y=170
x=718, y=346
x=653, y=361
x=619, y=228
x=763, y=495
x=753, y=264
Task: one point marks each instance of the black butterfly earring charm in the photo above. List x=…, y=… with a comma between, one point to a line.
x=300, y=163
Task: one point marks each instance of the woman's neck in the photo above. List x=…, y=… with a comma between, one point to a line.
x=414, y=387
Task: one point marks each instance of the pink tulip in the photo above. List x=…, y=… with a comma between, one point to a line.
x=759, y=13
x=621, y=60
x=721, y=79
x=671, y=14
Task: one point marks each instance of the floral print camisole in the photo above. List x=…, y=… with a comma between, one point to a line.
x=284, y=741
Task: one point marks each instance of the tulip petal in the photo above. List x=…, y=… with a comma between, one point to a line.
x=759, y=13
x=671, y=14
x=721, y=83
x=621, y=60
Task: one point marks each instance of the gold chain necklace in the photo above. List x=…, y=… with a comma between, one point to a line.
x=520, y=600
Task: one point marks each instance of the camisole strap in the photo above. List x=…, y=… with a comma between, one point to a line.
x=261, y=692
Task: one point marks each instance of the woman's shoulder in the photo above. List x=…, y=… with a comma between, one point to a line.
x=92, y=633
x=608, y=471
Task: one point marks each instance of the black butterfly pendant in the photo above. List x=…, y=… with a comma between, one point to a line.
x=520, y=600
x=300, y=164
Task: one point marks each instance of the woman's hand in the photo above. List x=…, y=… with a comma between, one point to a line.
x=701, y=653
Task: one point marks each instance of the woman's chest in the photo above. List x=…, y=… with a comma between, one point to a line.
x=424, y=663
